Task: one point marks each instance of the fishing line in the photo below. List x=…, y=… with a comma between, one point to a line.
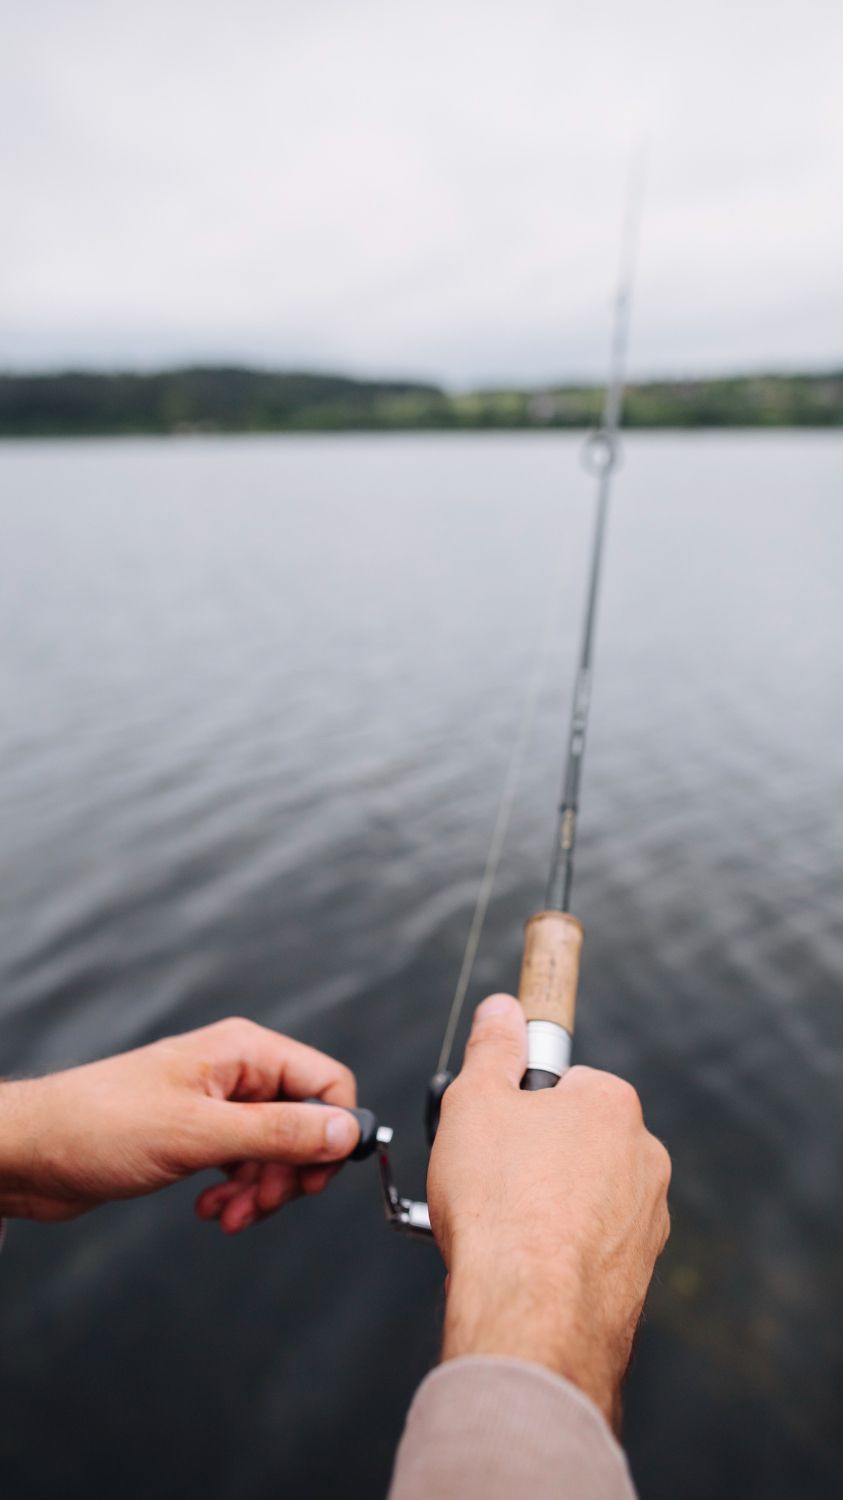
x=499, y=832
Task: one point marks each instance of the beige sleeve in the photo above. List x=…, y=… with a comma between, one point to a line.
x=489, y=1428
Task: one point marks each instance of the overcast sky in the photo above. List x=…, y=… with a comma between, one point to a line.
x=430, y=188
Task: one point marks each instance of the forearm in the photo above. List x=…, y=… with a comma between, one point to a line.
x=501, y=1428
x=18, y=1144
x=536, y=1307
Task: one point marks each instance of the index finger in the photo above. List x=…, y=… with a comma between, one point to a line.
x=309, y=1073
x=252, y=1062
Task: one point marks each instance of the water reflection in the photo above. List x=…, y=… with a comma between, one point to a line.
x=260, y=698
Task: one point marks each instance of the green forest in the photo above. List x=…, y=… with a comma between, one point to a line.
x=230, y=399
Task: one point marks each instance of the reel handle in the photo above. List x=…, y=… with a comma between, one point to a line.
x=547, y=990
x=367, y=1122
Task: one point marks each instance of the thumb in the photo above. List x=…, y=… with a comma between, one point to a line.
x=299, y=1134
x=497, y=1046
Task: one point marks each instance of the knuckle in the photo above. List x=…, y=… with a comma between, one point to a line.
x=627, y=1097
x=313, y=1186
x=234, y=1026
x=607, y=1088
x=287, y=1131
x=346, y=1077
x=495, y=1030
x=662, y=1164
x=580, y=1076
x=621, y=1095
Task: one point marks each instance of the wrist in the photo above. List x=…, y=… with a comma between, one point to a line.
x=513, y=1305
x=17, y=1139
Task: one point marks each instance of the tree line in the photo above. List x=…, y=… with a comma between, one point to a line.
x=232, y=399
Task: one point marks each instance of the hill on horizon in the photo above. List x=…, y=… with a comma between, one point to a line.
x=232, y=398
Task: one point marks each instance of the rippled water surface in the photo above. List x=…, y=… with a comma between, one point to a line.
x=258, y=698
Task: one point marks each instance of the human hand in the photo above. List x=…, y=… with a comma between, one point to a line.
x=132, y=1124
x=550, y=1210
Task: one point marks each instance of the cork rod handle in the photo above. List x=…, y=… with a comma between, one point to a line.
x=550, y=968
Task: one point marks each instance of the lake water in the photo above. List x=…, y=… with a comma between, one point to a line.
x=258, y=699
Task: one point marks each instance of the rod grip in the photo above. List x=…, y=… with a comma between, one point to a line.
x=550, y=968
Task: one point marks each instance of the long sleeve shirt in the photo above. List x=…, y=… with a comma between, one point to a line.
x=488, y=1428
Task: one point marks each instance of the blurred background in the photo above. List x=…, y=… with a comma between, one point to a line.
x=303, y=314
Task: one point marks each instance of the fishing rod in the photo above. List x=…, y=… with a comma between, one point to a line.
x=553, y=936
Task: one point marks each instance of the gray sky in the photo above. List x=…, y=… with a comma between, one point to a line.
x=428, y=188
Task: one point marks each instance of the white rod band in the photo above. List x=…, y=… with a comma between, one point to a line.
x=548, y=1047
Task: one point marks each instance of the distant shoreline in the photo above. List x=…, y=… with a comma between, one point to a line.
x=220, y=399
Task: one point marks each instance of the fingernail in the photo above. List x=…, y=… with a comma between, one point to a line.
x=341, y=1133
x=496, y=1005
